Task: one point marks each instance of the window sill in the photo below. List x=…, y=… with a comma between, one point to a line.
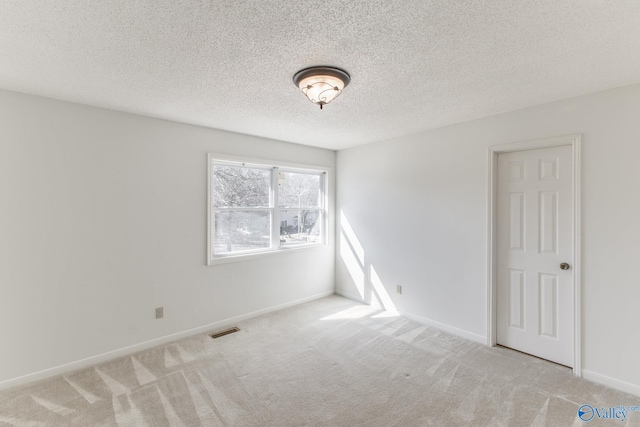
x=257, y=255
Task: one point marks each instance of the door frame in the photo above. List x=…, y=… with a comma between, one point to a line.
x=575, y=141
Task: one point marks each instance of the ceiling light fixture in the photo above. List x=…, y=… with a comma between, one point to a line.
x=321, y=84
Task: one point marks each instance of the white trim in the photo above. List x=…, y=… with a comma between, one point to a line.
x=354, y=297
x=611, y=382
x=447, y=328
x=423, y=320
x=258, y=161
x=89, y=361
x=491, y=340
x=577, y=256
x=575, y=141
x=240, y=257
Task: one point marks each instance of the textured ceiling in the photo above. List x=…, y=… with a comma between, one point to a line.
x=228, y=64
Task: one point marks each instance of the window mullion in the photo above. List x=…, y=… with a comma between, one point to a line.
x=275, y=213
x=242, y=209
x=303, y=208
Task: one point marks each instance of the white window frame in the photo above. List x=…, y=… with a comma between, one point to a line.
x=276, y=246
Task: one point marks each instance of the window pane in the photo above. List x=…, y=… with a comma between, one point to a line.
x=239, y=186
x=241, y=231
x=299, y=227
x=298, y=189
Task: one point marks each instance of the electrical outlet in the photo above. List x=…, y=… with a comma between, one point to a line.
x=159, y=312
x=399, y=289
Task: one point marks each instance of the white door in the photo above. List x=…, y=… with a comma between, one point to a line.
x=534, y=232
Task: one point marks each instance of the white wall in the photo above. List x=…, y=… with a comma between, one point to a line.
x=103, y=218
x=418, y=207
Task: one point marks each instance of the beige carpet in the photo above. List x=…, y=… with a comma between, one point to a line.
x=332, y=362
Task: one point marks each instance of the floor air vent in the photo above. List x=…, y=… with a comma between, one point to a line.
x=223, y=333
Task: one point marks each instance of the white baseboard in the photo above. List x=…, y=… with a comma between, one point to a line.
x=442, y=326
x=447, y=328
x=351, y=296
x=611, y=382
x=83, y=363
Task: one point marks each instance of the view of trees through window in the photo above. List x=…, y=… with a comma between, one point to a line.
x=245, y=214
x=299, y=201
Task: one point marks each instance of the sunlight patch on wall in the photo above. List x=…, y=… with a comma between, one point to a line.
x=358, y=250
x=364, y=276
x=382, y=295
x=352, y=264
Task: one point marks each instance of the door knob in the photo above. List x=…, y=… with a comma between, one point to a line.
x=564, y=266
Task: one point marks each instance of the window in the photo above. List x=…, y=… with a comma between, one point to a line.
x=262, y=208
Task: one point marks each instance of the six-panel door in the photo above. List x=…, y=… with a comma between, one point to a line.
x=534, y=235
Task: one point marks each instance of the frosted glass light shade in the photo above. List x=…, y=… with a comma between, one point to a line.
x=321, y=85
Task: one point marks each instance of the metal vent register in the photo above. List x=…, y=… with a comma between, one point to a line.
x=225, y=332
